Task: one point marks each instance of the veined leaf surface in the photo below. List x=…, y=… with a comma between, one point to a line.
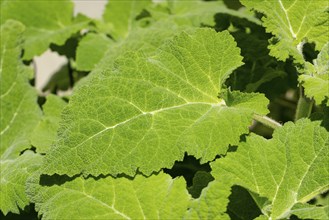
x=13, y=176
x=19, y=115
x=155, y=107
x=155, y=197
x=316, y=79
x=293, y=22
x=289, y=169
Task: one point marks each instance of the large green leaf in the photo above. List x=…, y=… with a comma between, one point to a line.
x=289, y=169
x=46, y=22
x=145, y=112
x=316, y=79
x=155, y=197
x=292, y=23
x=13, y=176
x=19, y=110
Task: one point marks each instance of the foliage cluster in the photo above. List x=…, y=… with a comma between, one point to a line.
x=175, y=110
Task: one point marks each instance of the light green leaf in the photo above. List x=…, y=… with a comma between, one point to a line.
x=248, y=101
x=322, y=62
x=91, y=50
x=121, y=16
x=195, y=13
x=307, y=211
x=146, y=40
x=316, y=80
x=154, y=197
x=289, y=169
x=13, y=176
x=129, y=116
x=19, y=110
x=46, y=22
x=212, y=202
x=292, y=23
x=45, y=132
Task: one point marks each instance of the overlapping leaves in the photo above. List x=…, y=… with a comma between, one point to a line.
x=46, y=22
x=130, y=116
x=293, y=23
x=316, y=79
x=288, y=170
x=155, y=197
x=19, y=115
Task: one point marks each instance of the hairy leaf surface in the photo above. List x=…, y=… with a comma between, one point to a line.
x=292, y=22
x=145, y=112
x=289, y=169
x=13, y=176
x=155, y=197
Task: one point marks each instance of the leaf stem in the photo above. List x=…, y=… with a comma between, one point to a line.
x=304, y=105
x=268, y=122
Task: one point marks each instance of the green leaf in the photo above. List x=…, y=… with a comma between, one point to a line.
x=91, y=50
x=19, y=110
x=13, y=175
x=45, y=132
x=292, y=23
x=155, y=197
x=195, y=13
x=121, y=16
x=145, y=40
x=212, y=202
x=307, y=211
x=46, y=22
x=248, y=101
x=131, y=115
x=200, y=181
x=242, y=205
x=289, y=169
x=316, y=79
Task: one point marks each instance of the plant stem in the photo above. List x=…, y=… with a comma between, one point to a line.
x=304, y=105
x=268, y=122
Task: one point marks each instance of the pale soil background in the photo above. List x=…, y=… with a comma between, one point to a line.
x=49, y=62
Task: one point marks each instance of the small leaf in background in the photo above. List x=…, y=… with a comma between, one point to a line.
x=46, y=131
x=316, y=80
x=121, y=16
x=200, y=181
x=46, y=22
x=90, y=51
